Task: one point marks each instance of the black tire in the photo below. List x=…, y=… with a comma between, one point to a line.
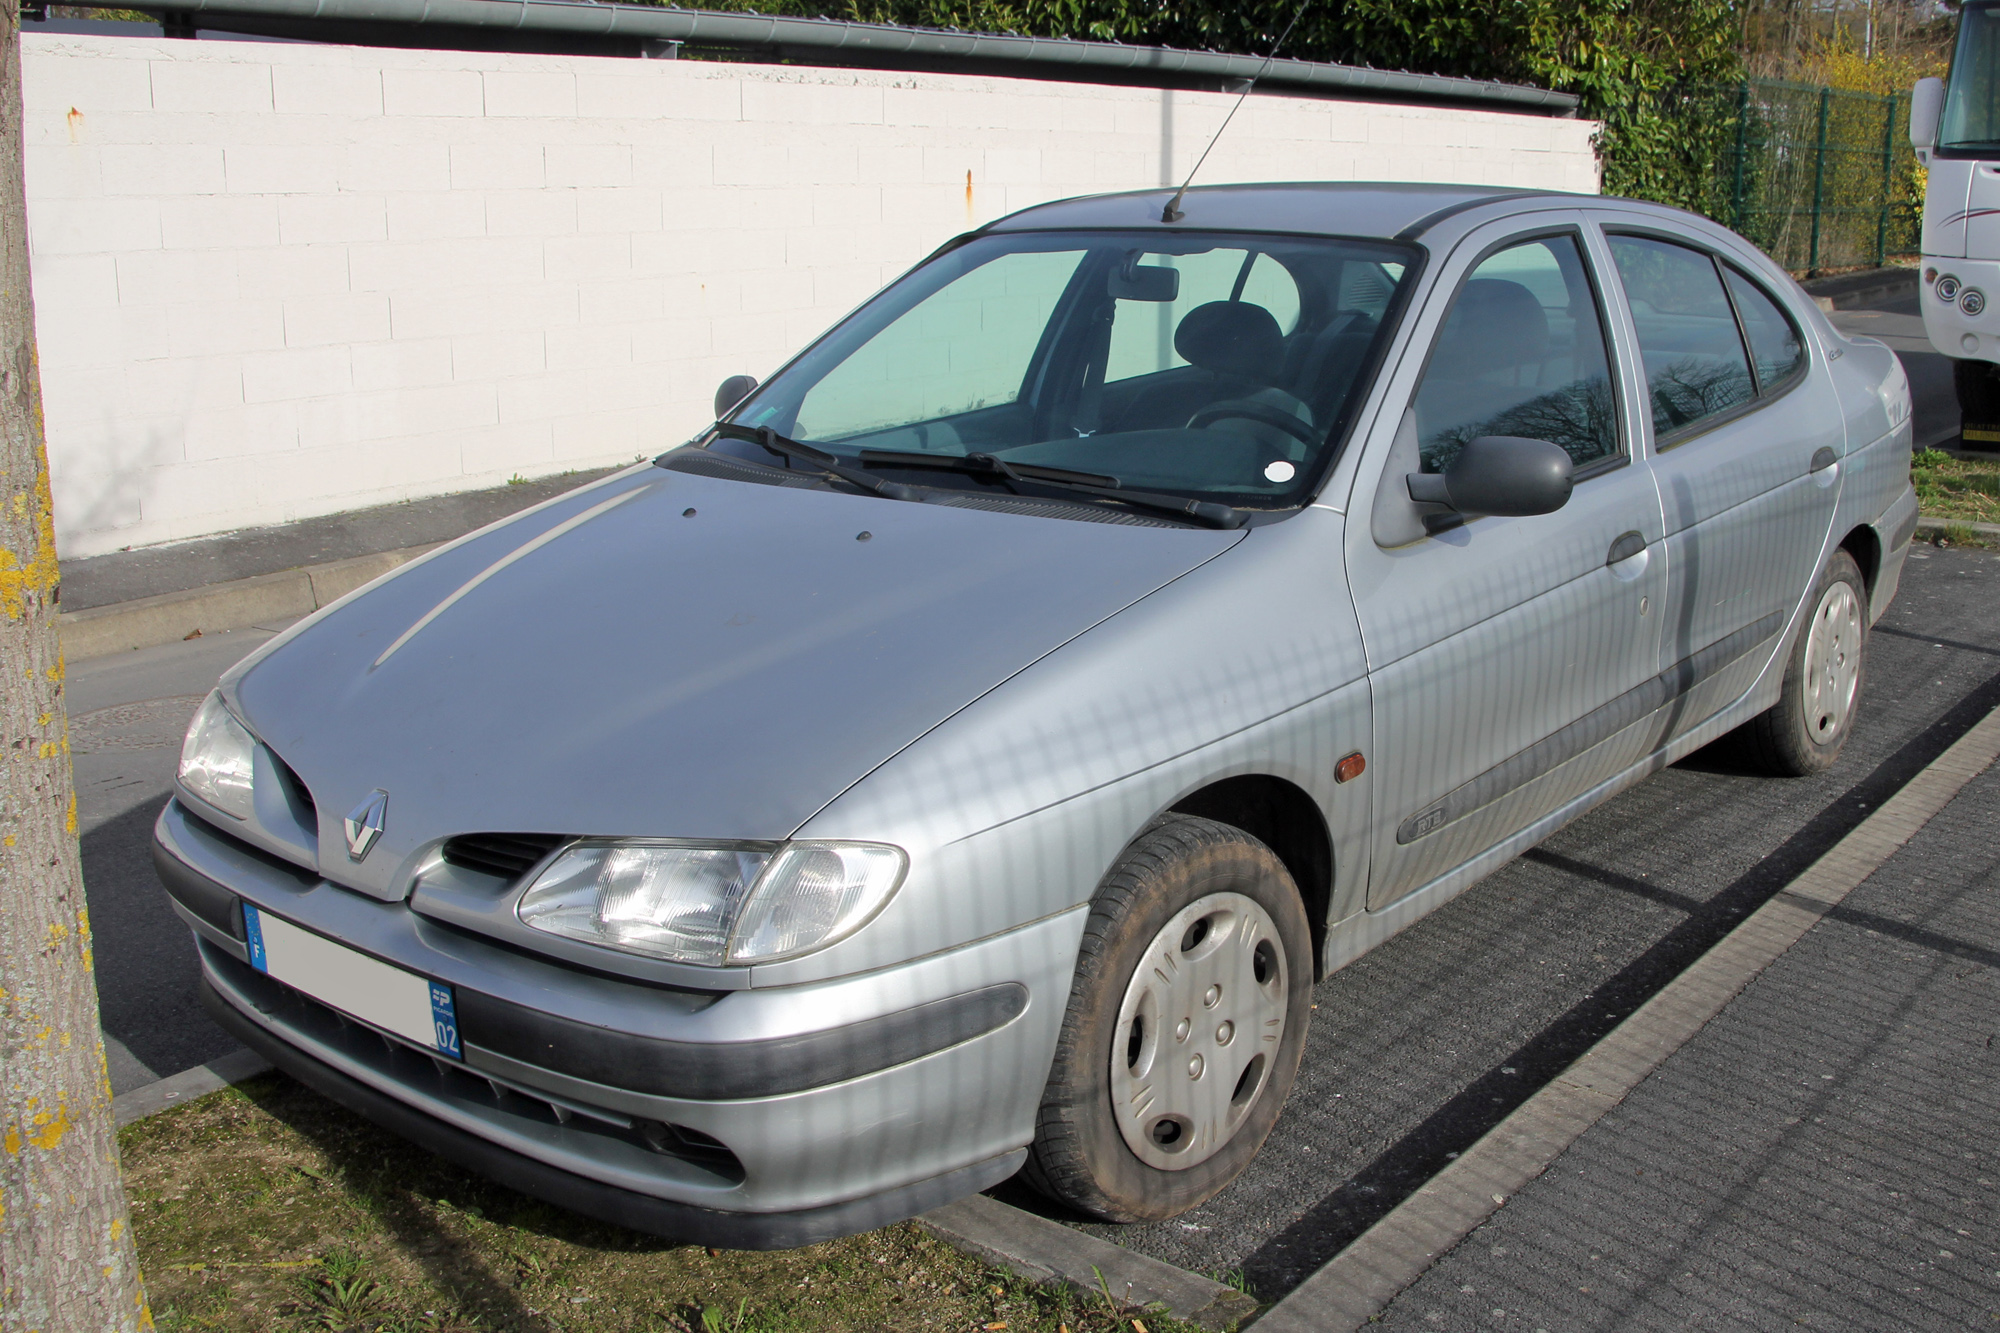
x=1792, y=739
x=1080, y=1156
x=1978, y=386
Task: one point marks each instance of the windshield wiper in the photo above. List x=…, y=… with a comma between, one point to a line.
x=820, y=459
x=985, y=465
x=1089, y=483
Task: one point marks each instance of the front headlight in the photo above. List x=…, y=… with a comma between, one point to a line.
x=715, y=903
x=217, y=758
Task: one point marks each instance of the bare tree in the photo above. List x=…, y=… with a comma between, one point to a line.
x=67, y=1263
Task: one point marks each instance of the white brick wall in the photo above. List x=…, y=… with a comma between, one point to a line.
x=274, y=281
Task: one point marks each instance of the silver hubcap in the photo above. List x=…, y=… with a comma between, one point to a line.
x=1833, y=662
x=1199, y=1031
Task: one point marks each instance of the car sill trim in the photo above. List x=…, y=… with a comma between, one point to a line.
x=1593, y=728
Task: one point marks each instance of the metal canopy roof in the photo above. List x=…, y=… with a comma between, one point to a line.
x=567, y=25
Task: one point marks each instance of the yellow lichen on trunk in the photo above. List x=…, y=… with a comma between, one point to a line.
x=67, y=1263
x=35, y=578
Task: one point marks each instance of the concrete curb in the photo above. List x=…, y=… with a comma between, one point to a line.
x=170, y=617
x=1360, y=1282
x=1938, y=527
x=1859, y=289
x=1045, y=1251
x=186, y=1086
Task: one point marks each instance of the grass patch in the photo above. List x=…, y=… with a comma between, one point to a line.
x=267, y=1209
x=1956, y=488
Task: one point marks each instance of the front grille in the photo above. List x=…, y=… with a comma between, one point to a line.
x=303, y=807
x=297, y=875
x=508, y=855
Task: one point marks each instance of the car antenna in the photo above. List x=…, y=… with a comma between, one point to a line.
x=1172, y=212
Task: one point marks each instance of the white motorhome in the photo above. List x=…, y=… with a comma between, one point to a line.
x=1955, y=128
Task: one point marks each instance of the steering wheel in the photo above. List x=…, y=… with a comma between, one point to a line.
x=1302, y=431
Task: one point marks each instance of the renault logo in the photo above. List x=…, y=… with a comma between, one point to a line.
x=364, y=824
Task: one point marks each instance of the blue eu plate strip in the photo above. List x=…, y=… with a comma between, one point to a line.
x=253, y=929
x=444, y=1018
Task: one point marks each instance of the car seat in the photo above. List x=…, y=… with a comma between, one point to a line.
x=1239, y=346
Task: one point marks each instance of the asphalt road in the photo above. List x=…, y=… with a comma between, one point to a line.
x=127, y=715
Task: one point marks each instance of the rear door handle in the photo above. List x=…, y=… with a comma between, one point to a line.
x=1822, y=459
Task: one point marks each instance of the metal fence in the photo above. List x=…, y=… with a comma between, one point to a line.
x=1821, y=178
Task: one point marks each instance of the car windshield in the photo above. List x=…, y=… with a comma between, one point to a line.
x=1971, y=118
x=1220, y=367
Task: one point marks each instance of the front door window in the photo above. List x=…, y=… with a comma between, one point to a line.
x=1521, y=353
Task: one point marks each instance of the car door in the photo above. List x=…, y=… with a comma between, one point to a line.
x=1506, y=655
x=1746, y=446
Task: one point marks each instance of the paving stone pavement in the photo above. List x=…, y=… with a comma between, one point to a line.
x=1421, y=1047
x=1821, y=1156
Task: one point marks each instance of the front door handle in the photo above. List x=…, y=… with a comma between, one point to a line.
x=1627, y=545
x=1822, y=459
x=1627, y=559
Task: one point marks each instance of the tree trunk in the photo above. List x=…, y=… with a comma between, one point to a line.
x=67, y=1264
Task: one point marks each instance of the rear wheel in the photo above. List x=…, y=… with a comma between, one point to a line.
x=1814, y=714
x=1184, y=1027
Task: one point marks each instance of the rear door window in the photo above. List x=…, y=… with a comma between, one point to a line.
x=1695, y=365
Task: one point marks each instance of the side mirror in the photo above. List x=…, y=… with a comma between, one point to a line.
x=1499, y=474
x=733, y=391
x=1926, y=104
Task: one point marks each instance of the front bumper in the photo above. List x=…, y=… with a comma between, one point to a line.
x=594, y=1198
x=746, y=1118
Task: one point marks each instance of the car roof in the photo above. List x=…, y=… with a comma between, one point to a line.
x=1400, y=210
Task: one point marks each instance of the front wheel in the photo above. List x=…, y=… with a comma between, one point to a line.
x=1803, y=733
x=1184, y=1028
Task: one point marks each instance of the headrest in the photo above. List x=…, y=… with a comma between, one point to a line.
x=1231, y=338
x=1494, y=325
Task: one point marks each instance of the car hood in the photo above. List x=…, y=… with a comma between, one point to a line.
x=674, y=655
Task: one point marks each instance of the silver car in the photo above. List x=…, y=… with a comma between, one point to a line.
x=964, y=757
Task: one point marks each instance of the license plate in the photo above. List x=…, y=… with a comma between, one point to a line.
x=387, y=997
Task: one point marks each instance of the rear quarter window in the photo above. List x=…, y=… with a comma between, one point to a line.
x=1776, y=347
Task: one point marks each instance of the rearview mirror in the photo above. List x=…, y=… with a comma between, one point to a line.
x=1146, y=282
x=1926, y=102
x=1506, y=475
x=733, y=391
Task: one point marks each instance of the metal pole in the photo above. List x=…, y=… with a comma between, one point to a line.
x=1742, y=131
x=1819, y=178
x=1888, y=181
